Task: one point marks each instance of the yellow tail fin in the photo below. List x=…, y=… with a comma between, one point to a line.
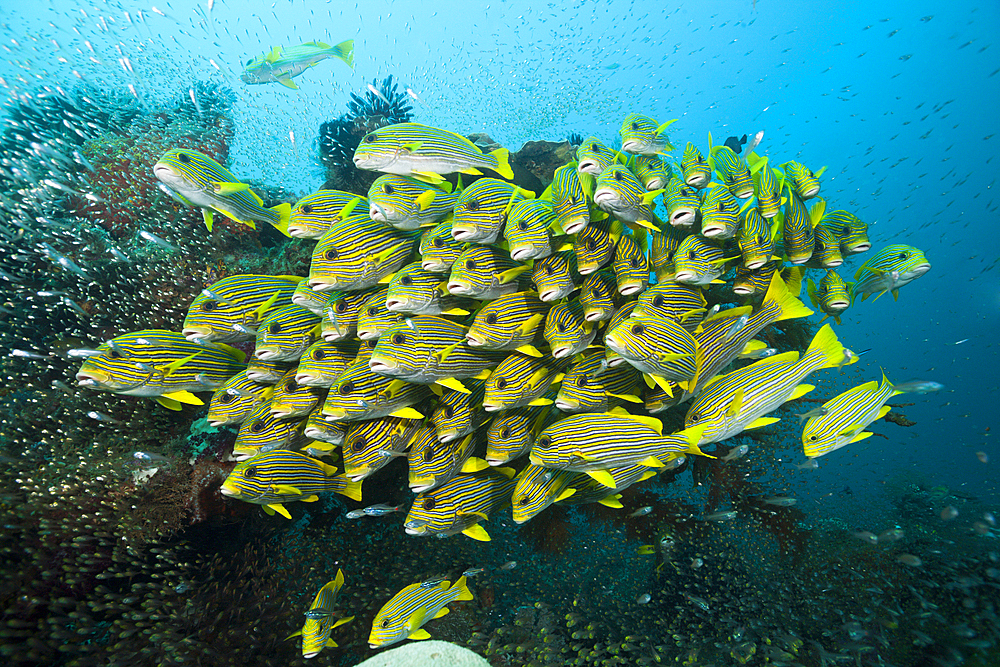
x=284, y=212
x=461, y=589
x=825, y=342
x=345, y=51
x=502, y=156
x=351, y=489
x=790, y=305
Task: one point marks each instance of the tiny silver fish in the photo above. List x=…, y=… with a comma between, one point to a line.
x=509, y=565
x=736, y=453
x=781, y=501
x=642, y=511
x=382, y=509
x=736, y=326
x=725, y=515
x=355, y=514
x=62, y=386
x=156, y=240
x=644, y=598
x=919, y=386
x=26, y=354
x=815, y=412
x=473, y=571
x=430, y=583
x=101, y=417
x=148, y=458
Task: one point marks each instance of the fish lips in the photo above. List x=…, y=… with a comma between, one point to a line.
x=565, y=405
x=271, y=352
x=605, y=197
x=460, y=288
x=92, y=379
x=591, y=167
x=382, y=365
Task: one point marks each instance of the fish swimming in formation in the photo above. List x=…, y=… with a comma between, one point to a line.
x=830, y=296
x=644, y=136
x=197, y=180
x=312, y=215
x=231, y=309
x=282, y=64
x=461, y=504
x=408, y=204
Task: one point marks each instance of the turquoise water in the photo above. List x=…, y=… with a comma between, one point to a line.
x=895, y=101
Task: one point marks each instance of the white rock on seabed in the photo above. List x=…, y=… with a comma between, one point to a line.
x=418, y=654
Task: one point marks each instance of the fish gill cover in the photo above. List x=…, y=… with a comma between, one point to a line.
x=713, y=425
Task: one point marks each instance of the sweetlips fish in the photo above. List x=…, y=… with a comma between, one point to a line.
x=593, y=157
x=432, y=462
x=644, y=136
x=719, y=213
x=438, y=250
x=651, y=171
x=310, y=299
x=267, y=371
x=595, y=245
x=594, y=442
x=589, y=490
x=234, y=401
x=662, y=251
x=358, y=393
x=482, y=209
x=312, y=215
x=889, y=269
x=374, y=318
x=802, y=179
x=342, y=311
x=755, y=239
x=654, y=345
x=263, y=431
x=695, y=170
x=599, y=296
x=327, y=433
x=699, y=262
x=682, y=202
x=682, y=303
x=767, y=187
x=797, y=230
x=510, y=322
x=407, y=204
x=555, y=276
x=624, y=196
x=323, y=362
x=590, y=385
x=622, y=314
x=484, y=272
x=320, y=620
x=566, y=331
x=413, y=290
x=292, y=400
x=521, y=380
x=230, y=310
x=630, y=265
x=161, y=365
x=427, y=349
x=528, y=230
x=738, y=401
x=285, y=334
x=371, y=444
x=283, y=476
x=357, y=252
x=458, y=414
x=512, y=432
x=282, y=64
x=537, y=487
x=425, y=152
x=460, y=504
x=831, y=296
x=851, y=232
x=197, y=180
x=404, y=616
x=842, y=419
x=753, y=281
x=570, y=198
x=733, y=169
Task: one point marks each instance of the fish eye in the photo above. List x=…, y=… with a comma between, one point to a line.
x=524, y=500
x=491, y=318
x=346, y=388
x=684, y=192
x=902, y=255
x=306, y=208
x=470, y=265
x=429, y=503
x=812, y=437
x=331, y=254
x=184, y=157
x=635, y=263
x=657, y=301
x=472, y=205
x=385, y=623
x=428, y=455
x=522, y=225
x=319, y=355
x=276, y=327
x=399, y=339
x=449, y=411
x=341, y=307
x=249, y=61
x=845, y=230
x=388, y=189
x=250, y=472
x=762, y=240
x=635, y=126
x=549, y=270
x=406, y=281
x=591, y=245
x=618, y=175
x=722, y=206
x=257, y=426
x=573, y=200
x=505, y=433
x=582, y=381
x=637, y=329
x=594, y=147
x=543, y=441
x=501, y=383
x=693, y=255
x=561, y=328
x=209, y=305
x=227, y=398
x=291, y=386
x=370, y=138
x=114, y=354
x=438, y=243
x=372, y=312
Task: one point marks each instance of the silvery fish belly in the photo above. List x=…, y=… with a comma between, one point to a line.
x=569, y=199
x=623, y=195
x=408, y=204
x=460, y=504
x=156, y=363
x=528, y=230
x=357, y=252
x=323, y=362
x=438, y=250
x=555, y=276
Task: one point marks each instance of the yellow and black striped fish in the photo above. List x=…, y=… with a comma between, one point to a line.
x=370, y=445
x=593, y=157
x=889, y=269
x=438, y=250
x=719, y=213
x=425, y=152
x=323, y=362
x=630, y=266
x=796, y=230
x=595, y=245
x=291, y=399
x=599, y=296
x=590, y=385
x=356, y=252
x=329, y=433
x=309, y=298
x=766, y=188
x=753, y=281
x=286, y=333
x=510, y=322
x=622, y=314
x=405, y=614
x=484, y=272
x=733, y=170
x=555, y=276
x=374, y=318
x=198, y=180
x=682, y=203
x=281, y=476
x=755, y=239
x=570, y=198
x=849, y=230
x=315, y=632
x=695, y=170
x=529, y=228
x=831, y=296
x=512, y=432
x=684, y=303
x=482, y=209
x=230, y=309
x=267, y=371
x=458, y=413
x=313, y=215
x=621, y=194
x=432, y=462
x=662, y=251
x=843, y=419
x=802, y=179
x=566, y=331
x=408, y=204
x=536, y=487
x=413, y=290
x=340, y=315
x=644, y=136
x=699, y=262
x=263, y=431
x=161, y=365
x=521, y=380
x=234, y=401
x=651, y=171
x=459, y=505
x=360, y=394
x=826, y=252
x=655, y=345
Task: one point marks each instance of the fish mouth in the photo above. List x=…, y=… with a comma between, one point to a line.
x=550, y=295
x=745, y=193
x=422, y=486
x=462, y=233
x=562, y=351
x=280, y=414
x=90, y=378
x=492, y=407
x=696, y=180
x=861, y=247
x=266, y=353
x=593, y=315
x=433, y=267
x=683, y=218
x=632, y=146
x=811, y=192
x=589, y=167
x=832, y=263
x=334, y=414
x=629, y=289
x=298, y=232
x=522, y=252
x=195, y=332
x=920, y=270
x=445, y=438
x=605, y=197
x=307, y=380
x=686, y=276
x=229, y=491
x=382, y=365
x=215, y=423
x=575, y=226
x=712, y=232
x=310, y=654
x=377, y=214
x=615, y=344
x=566, y=405
x=839, y=304
x=799, y=259
x=409, y=531
x=396, y=305
x=495, y=462
x=473, y=340
x=755, y=264
x=586, y=270
x=456, y=287
x=654, y=184
x=743, y=290
x=160, y=170
x=365, y=334
x=320, y=285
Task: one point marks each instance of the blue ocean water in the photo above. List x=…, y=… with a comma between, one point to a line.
x=897, y=100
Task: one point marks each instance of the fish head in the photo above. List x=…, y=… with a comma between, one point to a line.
x=184, y=170
x=482, y=209
x=432, y=512
x=618, y=189
x=752, y=281
x=719, y=213
x=509, y=435
x=285, y=333
x=403, y=351
x=234, y=401
x=702, y=414
x=263, y=371
x=412, y=288
x=291, y=399
x=474, y=270
x=682, y=202
x=594, y=247
x=553, y=276
x=354, y=394
x=593, y=157
x=805, y=182
x=323, y=362
x=582, y=389
x=313, y=215
x=429, y=460
x=565, y=329
x=639, y=134
x=695, y=170
x=438, y=250
x=369, y=444
x=261, y=430
x=356, y=252
x=509, y=382
x=537, y=488
x=598, y=296
x=392, y=198
x=527, y=229
x=380, y=149
x=251, y=480
x=569, y=202
x=697, y=262
x=630, y=266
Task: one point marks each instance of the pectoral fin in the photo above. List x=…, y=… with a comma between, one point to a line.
x=287, y=82
x=477, y=533
x=454, y=385
x=602, y=477
x=419, y=634
x=443, y=611
x=613, y=502
x=279, y=508
x=529, y=350
x=184, y=397
x=759, y=423
x=564, y=495
x=474, y=464
x=206, y=213
x=227, y=188
x=406, y=413
x=424, y=200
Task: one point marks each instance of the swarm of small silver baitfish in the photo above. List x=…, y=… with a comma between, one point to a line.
x=511, y=345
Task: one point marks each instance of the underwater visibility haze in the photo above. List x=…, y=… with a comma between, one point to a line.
x=572, y=333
